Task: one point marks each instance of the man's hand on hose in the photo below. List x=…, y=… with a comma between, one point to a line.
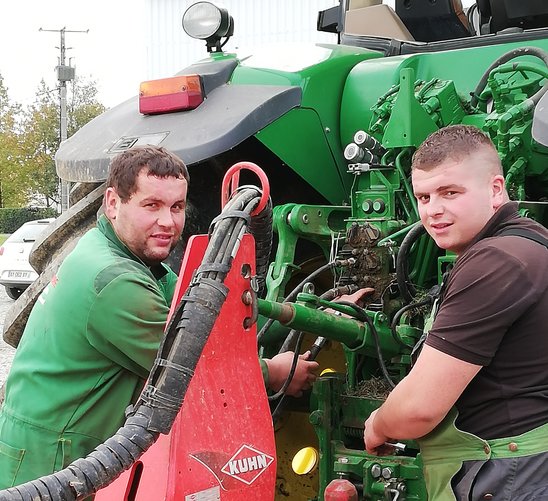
x=355, y=298
x=279, y=368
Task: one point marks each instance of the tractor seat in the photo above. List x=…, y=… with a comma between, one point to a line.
x=497, y=15
x=376, y=21
x=433, y=20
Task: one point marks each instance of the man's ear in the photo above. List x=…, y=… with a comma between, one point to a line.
x=112, y=203
x=498, y=188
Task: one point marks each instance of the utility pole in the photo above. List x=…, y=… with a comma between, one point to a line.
x=65, y=73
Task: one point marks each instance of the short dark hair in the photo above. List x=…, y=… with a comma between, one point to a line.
x=126, y=167
x=453, y=142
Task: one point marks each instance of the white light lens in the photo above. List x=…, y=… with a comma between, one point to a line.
x=202, y=20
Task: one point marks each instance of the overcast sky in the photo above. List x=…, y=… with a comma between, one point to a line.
x=111, y=52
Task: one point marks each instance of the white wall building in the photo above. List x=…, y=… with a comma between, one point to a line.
x=257, y=23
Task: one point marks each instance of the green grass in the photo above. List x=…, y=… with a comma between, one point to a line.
x=3, y=237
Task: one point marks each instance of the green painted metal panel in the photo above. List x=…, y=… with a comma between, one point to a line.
x=373, y=78
x=307, y=151
x=321, y=71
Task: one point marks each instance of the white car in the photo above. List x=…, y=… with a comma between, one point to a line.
x=16, y=273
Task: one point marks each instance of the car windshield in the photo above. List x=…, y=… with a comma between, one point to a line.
x=27, y=233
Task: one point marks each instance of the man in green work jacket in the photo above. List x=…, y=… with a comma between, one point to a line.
x=477, y=397
x=94, y=332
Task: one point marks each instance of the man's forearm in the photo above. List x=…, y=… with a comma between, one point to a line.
x=403, y=417
x=423, y=398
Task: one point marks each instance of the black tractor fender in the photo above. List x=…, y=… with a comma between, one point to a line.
x=229, y=114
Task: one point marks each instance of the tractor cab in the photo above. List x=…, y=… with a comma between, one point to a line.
x=414, y=26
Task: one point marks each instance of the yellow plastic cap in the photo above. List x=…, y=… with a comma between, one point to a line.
x=305, y=461
x=327, y=371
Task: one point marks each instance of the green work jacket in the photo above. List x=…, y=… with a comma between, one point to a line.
x=84, y=356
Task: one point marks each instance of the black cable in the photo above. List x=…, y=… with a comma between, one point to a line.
x=289, y=377
x=261, y=228
x=286, y=345
x=407, y=290
x=399, y=313
x=319, y=343
x=508, y=56
x=294, y=293
x=364, y=317
x=225, y=42
x=281, y=403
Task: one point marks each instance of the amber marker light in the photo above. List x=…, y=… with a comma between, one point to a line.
x=170, y=94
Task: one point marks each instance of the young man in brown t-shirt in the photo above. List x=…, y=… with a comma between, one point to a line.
x=484, y=367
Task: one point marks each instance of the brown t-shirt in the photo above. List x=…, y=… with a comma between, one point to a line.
x=495, y=313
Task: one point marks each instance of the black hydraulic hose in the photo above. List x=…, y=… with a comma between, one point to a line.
x=406, y=288
x=169, y=367
x=315, y=349
x=364, y=317
x=508, y=56
x=335, y=292
x=160, y=401
x=398, y=315
x=328, y=295
x=289, y=378
x=288, y=341
x=292, y=295
x=219, y=241
x=261, y=228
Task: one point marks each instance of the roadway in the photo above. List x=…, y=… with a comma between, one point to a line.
x=6, y=351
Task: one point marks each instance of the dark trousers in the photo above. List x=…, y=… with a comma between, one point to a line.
x=513, y=479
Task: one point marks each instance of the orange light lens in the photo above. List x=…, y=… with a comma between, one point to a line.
x=170, y=94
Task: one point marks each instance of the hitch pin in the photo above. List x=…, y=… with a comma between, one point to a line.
x=398, y=446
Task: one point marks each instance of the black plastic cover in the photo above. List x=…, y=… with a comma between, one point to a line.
x=229, y=115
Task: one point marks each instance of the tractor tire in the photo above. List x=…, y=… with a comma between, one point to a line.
x=67, y=225
x=47, y=255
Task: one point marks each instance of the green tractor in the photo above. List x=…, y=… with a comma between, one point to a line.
x=335, y=134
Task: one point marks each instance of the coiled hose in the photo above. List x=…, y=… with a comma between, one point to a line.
x=163, y=396
x=261, y=228
x=508, y=56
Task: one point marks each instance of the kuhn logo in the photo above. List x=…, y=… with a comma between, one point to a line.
x=247, y=464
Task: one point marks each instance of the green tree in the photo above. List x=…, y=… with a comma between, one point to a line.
x=41, y=133
x=11, y=157
x=83, y=104
x=40, y=140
